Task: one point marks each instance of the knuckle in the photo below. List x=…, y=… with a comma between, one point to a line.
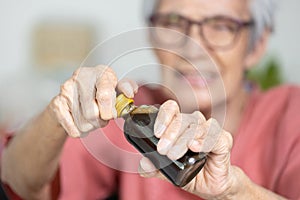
x=76, y=72
x=106, y=71
x=103, y=98
x=170, y=105
x=197, y=131
x=200, y=129
x=80, y=73
x=56, y=105
x=105, y=95
x=228, y=138
x=199, y=116
x=56, y=101
x=109, y=70
x=106, y=81
x=213, y=123
x=100, y=68
x=67, y=86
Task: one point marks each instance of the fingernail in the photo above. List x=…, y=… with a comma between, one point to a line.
x=128, y=90
x=159, y=130
x=163, y=146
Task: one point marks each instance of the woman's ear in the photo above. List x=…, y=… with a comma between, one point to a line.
x=259, y=49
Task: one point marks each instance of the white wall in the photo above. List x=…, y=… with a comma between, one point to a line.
x=110, y=17
x=285, y=43
x=23, y=91
x=17, y=19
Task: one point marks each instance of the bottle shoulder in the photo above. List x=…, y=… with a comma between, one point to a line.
x=144, y=109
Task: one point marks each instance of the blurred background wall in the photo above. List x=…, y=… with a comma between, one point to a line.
x=29, y=77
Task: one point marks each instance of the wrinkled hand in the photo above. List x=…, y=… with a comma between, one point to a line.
x=179, y=132
x=87, y=100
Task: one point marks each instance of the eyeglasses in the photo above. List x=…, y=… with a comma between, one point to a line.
x=218, y=32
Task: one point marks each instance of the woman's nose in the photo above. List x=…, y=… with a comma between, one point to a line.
x=194, y=47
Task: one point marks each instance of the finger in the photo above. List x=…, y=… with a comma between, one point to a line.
x=216, y=141
x=60, y=107
x=76, y=111
x=206, y=142
x=179, y=134
x=198, y=133
x=220, y=156
x=223, y=143
x=214, y=131
x=180, y=147
x=190, y=132
x=69, y=92
x=199, y=117
x=106, y=94
x=86, y=80
x=166, y=113
x=170, y=136
x=127, y=87
x=147, y=169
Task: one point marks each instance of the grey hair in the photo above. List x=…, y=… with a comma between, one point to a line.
x=262, y=12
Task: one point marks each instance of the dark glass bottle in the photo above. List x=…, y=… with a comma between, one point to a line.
x=138, y=130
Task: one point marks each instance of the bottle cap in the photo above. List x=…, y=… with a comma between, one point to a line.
x=123, y=105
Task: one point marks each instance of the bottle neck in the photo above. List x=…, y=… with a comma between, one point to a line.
x=127, y=110
x=124, y=105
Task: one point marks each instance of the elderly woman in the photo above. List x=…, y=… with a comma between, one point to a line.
x=254, y=154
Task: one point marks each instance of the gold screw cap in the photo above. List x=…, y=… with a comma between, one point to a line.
x=123, y=105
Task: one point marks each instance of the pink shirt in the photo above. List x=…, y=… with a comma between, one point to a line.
x=266, y=147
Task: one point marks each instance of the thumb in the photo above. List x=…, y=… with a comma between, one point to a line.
x=148, y=170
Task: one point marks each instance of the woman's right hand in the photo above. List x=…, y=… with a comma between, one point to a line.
x=87, y=100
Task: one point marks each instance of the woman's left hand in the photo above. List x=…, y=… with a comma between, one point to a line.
x=179, y=132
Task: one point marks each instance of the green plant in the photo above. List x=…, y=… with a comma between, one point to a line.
x=266, y=76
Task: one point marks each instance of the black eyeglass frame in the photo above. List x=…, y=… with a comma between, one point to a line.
x=239, y=25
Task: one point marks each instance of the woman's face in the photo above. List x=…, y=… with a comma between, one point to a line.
x=191, y=73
